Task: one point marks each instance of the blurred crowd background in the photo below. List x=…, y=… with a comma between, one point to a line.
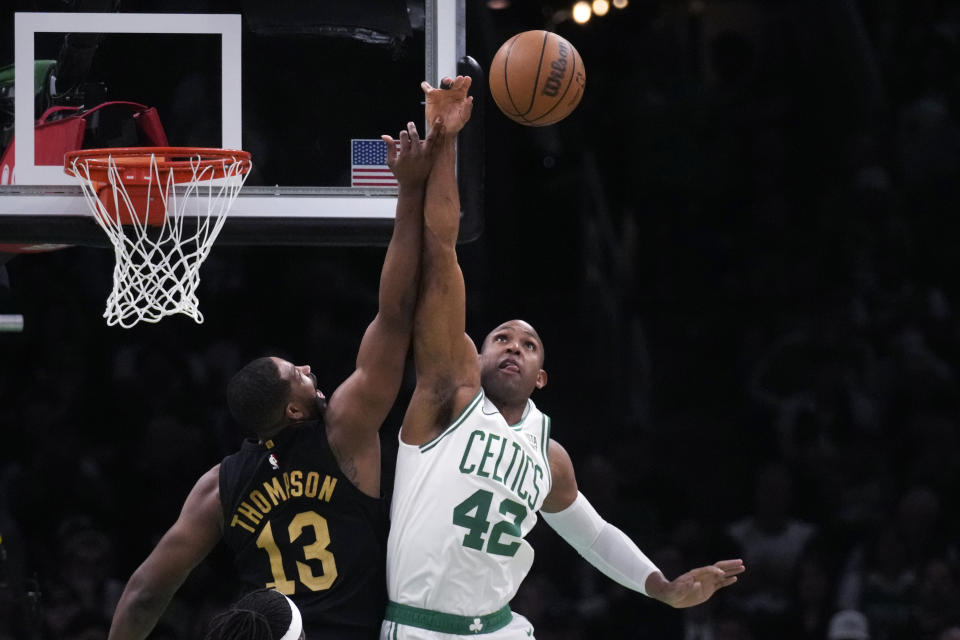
x=739, y=252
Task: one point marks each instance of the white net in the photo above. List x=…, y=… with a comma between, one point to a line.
x=157, y=268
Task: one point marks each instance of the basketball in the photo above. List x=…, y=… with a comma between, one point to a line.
x=537, y=78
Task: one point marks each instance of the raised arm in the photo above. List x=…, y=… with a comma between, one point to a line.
x=189, y=540
x=608, y=549
x=448, y=372
x=359, y=406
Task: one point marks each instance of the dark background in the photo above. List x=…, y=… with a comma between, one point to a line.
x=739, y=251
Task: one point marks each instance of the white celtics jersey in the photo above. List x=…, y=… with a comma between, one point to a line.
x=462, y=504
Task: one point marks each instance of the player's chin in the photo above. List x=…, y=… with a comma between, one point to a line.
x=506, y=386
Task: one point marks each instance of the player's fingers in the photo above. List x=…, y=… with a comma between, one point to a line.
x=709, y=574
x=726, y=582
x=391, y=148
x=413, y=133
x=447, y=83
x=730, y=566
x=426, y=86
x=461, y=83
x=404, y=141
x=728, y=563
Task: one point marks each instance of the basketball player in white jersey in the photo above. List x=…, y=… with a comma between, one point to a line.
x=476, y=461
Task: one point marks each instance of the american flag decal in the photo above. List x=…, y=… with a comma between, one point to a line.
x=368, y=164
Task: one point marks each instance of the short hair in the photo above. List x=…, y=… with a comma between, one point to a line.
x=256, y=395
x=263, y=614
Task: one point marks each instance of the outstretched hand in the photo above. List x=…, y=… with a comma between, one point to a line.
x=698, y=585
x=449, y=103
x=410, y=158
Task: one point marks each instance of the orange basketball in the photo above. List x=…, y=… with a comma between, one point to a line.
x=537, y=78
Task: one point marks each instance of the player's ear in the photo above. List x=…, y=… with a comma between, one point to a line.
x=541, y=379
x=293, y=412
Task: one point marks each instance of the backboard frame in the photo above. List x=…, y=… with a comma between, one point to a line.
x=55, y=213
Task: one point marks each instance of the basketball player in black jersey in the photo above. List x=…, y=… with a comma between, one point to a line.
x=300, y=504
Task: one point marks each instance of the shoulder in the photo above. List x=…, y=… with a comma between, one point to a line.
x=209, y=482
x=563, y=490
x=561, y=465
x=203, y=503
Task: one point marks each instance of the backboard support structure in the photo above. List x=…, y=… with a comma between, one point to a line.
x=293, y=86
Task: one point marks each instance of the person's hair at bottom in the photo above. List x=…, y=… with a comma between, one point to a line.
x=263, y=614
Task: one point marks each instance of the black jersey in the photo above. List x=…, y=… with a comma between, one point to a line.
x=295, y=523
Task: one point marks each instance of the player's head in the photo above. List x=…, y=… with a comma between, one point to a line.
x=511, y=362
x=269, y=393
x=263, y=614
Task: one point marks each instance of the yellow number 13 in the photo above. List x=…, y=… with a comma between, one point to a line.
x=315, y=551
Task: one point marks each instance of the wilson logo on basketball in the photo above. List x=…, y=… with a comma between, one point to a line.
x=557, y=70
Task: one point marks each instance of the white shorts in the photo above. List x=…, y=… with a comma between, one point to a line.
x=519, y=628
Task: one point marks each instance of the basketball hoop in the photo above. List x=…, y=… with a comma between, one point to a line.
x=142, y=197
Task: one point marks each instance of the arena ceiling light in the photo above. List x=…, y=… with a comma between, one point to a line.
x=581, y=12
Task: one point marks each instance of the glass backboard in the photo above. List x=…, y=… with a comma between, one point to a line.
x=299, y=85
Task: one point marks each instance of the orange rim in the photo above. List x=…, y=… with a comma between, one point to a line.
x=184, y=163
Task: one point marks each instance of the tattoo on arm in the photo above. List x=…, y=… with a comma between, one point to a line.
x=347, y=465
